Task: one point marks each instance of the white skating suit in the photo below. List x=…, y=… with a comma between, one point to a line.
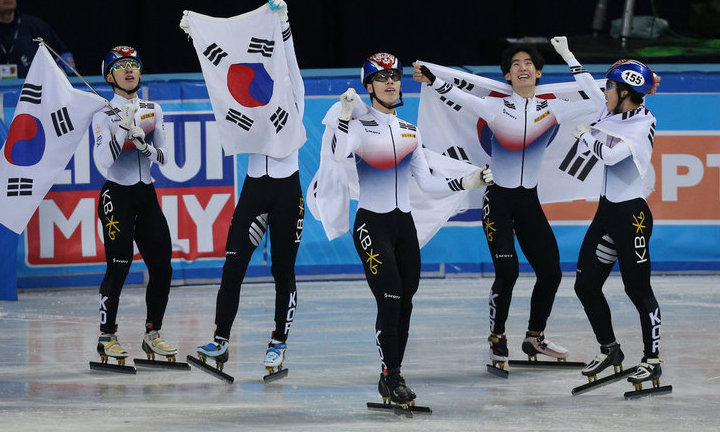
x=129, y=210
x=623, y=223
x=387, y=152
x=125, y=164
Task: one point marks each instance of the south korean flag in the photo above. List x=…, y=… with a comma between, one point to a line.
x=49, y=122
x=257, y=94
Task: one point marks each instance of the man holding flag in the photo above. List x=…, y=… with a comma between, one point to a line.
x=50, y=120
x=248, y=62
x=514, y=128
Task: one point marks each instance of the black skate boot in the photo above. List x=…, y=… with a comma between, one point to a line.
x=648, y=370
x=392, y=387
x=609, y=355
x=498, y=350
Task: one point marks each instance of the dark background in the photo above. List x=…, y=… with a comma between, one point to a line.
x=342, y=33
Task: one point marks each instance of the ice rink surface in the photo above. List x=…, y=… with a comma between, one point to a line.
x=48, y=337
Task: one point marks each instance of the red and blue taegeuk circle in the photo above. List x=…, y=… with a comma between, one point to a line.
x=250, y=84
x=25, y=143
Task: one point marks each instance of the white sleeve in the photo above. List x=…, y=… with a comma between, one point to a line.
x=108, y=145
x=608, y=155
x=461, y=99
x=587, y=83
x=156, y=150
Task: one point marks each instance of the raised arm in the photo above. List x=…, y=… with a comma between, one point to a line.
x=581, y=75
x=343, y=142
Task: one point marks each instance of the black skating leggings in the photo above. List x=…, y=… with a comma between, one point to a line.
x=130, y=213
x=388, y=248
x=265, y=203
x=629, y=225
x=517, y=212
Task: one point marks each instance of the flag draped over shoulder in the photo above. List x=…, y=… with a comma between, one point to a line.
x=335, y=184
x=253, y=80
x=564, y=175
x=50, y=119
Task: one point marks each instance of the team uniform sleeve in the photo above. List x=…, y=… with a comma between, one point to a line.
x=587, y=84
x=109, y=139
x=345, y=140
x=424, y=177
x=156, y=151
x=480, y=106
x=608, y=155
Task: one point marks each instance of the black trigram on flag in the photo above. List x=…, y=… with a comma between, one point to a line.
x=462, y=84
x=279, y=118
x=61, y=121
x=261, y=46
x=578, y=165
x=239, y=119
x=19, y=186
x=31, y=93
x=214, y=53
x=457, y=153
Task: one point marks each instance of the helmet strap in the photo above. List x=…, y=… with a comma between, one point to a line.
x=621, y=99
x=114, y=85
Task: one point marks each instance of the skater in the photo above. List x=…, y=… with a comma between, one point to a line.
x=387, y=151
x=522, y=125
x=129, y=138
x=271, y=199
x=622, y=139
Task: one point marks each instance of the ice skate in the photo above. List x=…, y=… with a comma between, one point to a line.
x=153, y=344
x=648, y=370
x=392, y=388
x=609, y=355
x=534, y=345
x=498, y=350
x=274, y=357
x=216, y=350
x=108, y=346
x=397, y=396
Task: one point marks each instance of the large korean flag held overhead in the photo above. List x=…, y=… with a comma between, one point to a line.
x=50, y=120
x=253, y=79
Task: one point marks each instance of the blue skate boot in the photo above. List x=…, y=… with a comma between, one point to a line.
x=216, y=350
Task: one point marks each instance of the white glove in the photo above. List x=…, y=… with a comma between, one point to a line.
x=580, y=130
x=128, y=115
x=347, y=100
x=184, y=24
x=481, y=177
x=561, y=46
x=280, y=7
x=137, y=136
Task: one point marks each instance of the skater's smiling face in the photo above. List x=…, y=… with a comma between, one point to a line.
x=385, y=85
x=523, y=75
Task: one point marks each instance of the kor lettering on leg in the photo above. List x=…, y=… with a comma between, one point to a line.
x=103, y=309
x=380, y=351
x=493, y=310
x=655, y=323
x=291, y=311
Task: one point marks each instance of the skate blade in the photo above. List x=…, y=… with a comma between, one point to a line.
x=417, y=409
x=654, y=391
x=161, y=364
x=217, y=373
x=557, y=364
x=109, y=367
x=274, y=376
x=597, y=383
x=497, y=371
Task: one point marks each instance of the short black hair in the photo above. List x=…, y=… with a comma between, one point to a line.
x=507, y=55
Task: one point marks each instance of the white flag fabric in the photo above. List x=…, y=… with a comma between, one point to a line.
x=50, y=120
x=257, y=94
x=564, y=176
x=335, y=184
